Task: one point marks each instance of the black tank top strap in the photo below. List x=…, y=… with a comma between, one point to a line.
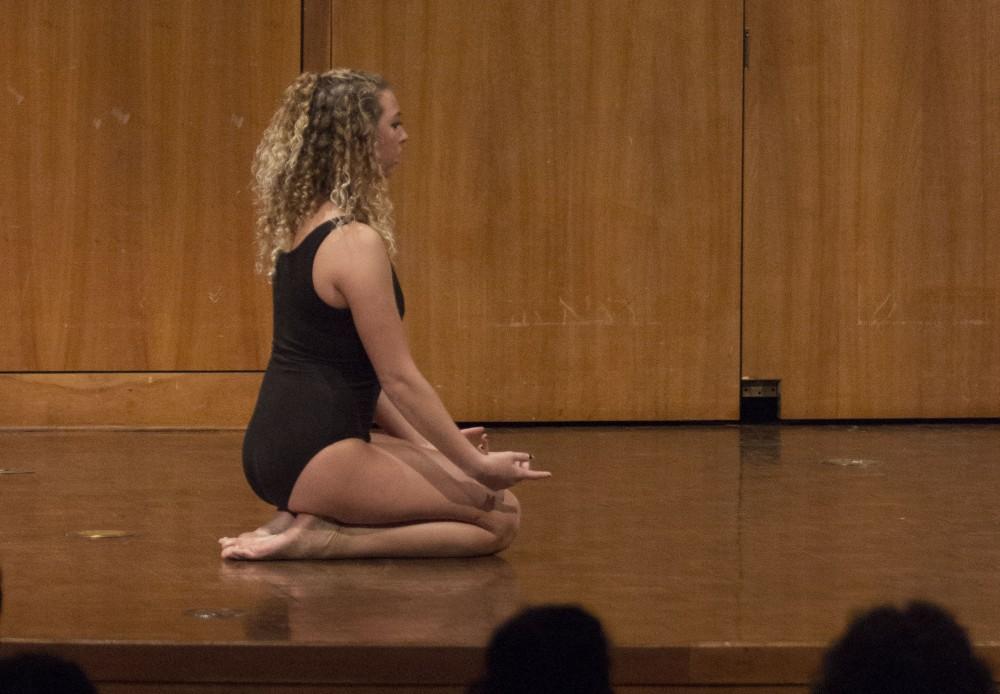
x=315, y=237
x=305, y=327
x=310, y=245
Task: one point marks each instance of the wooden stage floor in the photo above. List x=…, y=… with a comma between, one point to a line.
x=716, y=555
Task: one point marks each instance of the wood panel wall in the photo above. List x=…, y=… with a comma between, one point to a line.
x=569, y=207
x=569, y=200
x=872, y=215
x=127, y=131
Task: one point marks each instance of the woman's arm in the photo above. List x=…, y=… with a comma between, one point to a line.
x=391, y=421
x=360, y=271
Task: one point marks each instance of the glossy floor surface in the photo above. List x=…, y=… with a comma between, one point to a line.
x=696, y=546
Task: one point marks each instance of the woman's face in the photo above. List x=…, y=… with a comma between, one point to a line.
x=391, y=135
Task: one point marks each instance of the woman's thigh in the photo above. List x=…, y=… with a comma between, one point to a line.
x=393, y=481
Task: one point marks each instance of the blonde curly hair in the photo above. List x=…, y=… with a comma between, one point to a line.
x=320, y=145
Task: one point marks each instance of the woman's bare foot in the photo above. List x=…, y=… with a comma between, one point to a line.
x=308, y=537
x=279, y=524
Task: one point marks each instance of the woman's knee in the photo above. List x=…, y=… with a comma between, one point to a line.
x=328, y=472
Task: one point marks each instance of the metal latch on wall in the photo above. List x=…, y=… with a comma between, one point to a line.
x=760, y=400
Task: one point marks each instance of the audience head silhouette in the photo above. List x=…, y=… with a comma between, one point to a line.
x=920, y=649
x=42, y=673
x=551, y=649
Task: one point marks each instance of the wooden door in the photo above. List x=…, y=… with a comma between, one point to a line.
x=872, y=214
x=127, y=130
x=568, y=207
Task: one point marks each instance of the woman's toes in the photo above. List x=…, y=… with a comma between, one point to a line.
x=232, y=552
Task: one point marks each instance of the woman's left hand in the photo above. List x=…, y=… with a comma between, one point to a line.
x=478, y=438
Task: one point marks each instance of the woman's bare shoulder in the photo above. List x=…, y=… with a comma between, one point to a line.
x=354, y=247
x=353, y=242
x=360, y=235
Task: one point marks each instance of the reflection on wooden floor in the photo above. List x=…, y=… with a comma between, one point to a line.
x=715, y=555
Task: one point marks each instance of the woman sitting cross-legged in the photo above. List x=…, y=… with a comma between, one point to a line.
x=340, y=359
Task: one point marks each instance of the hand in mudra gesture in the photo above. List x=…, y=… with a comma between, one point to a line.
x=505, y=469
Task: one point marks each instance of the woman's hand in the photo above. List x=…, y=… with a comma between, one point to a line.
x=475, y=435
x=502, y=470
x=478, y=438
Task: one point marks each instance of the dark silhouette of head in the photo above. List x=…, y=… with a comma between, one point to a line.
x=920, y=649
x=551, y=649
x=42, y=673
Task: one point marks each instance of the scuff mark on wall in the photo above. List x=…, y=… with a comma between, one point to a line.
x=18, y=96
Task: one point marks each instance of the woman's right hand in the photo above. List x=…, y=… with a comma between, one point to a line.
x=505, y=469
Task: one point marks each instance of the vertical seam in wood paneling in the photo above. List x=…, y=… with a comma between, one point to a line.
x=744, y=66
x=316, y=35
x=329, y=35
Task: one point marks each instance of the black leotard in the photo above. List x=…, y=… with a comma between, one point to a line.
x=319, y=387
